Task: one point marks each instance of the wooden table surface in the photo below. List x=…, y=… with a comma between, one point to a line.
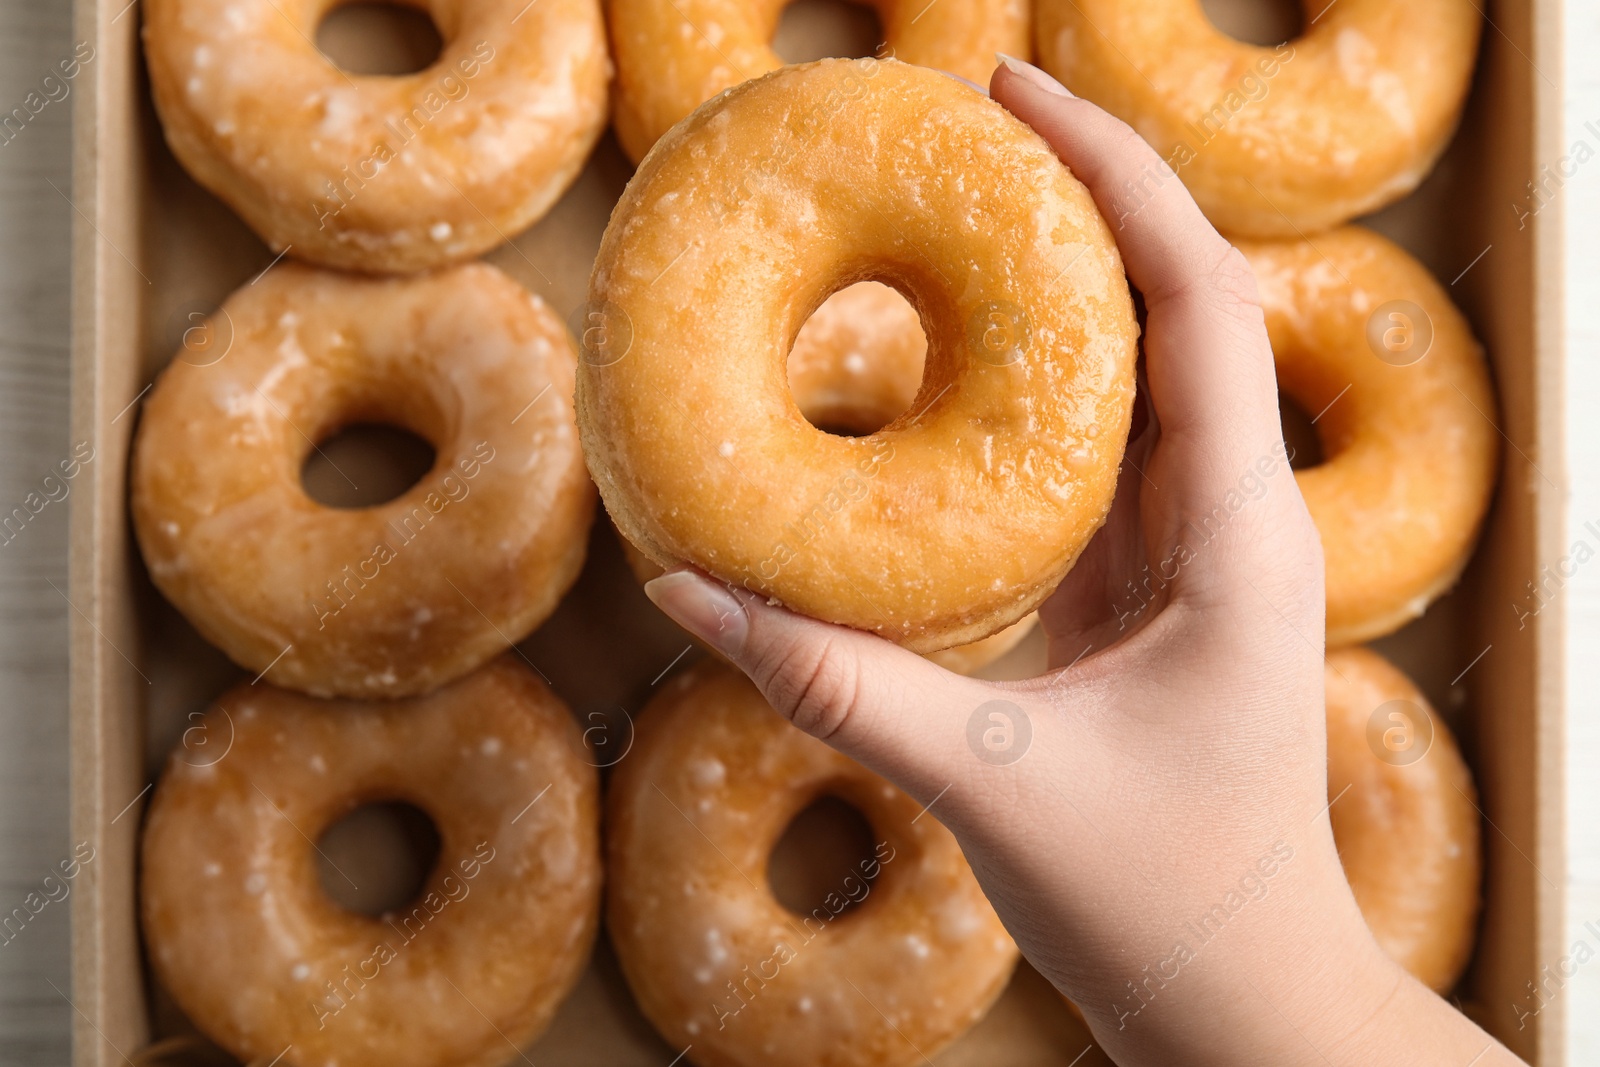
x=35, y=220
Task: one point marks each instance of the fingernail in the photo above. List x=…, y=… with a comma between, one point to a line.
x=1031, y=73
x=702, y=607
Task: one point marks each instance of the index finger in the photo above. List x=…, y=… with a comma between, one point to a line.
x=1208, y=361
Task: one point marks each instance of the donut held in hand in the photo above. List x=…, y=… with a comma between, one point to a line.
x=961, y=515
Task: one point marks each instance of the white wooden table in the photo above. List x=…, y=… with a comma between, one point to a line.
x=1582, y=598
x=35, y=220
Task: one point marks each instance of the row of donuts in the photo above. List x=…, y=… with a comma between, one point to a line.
x=400, y=598
x=243, y=937
x=1404, y=419
x=475, y=969
x=397, y=599
x=417, y=171
x=407, y=173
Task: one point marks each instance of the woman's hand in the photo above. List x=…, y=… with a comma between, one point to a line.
x=1150, y=817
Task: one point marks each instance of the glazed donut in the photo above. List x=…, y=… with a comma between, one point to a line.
x=960, y=516
x=673, y=55
x=1274, y=141
x=712, y=957
x=242, y=935
x=1404, y=817
x=383, y=601
x=380, y=173
x=1367, y=341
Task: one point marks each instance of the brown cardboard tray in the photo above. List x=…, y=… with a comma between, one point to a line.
x=151, y=249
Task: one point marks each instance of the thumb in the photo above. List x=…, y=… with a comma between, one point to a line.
x=889, y=709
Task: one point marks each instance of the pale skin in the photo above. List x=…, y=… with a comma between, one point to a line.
x=1183, y=755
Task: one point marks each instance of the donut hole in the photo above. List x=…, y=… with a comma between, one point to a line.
x=379, y=39
x=376, y=859
x=1260, y=22
x=826, y=29
x=365, y=464
x=824, y=859
x=844, y=376
x=1299, y=434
